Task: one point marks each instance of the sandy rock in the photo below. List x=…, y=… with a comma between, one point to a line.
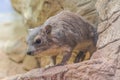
x=16, y=50
x=8, y=67
x=17, y=57
x=12, y=32
x=96, y=69
x=36, y=12
x=106, y=8
x=30, y=62
x=106, y=27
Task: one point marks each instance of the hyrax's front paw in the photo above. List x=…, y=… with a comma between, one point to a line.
x=60, y=64
x=49, y=66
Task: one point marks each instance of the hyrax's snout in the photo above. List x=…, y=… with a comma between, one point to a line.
x=30, y=50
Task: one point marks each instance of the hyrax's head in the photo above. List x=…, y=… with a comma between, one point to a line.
x=39, y=39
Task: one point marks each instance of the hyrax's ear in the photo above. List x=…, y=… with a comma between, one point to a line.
x=48, y=29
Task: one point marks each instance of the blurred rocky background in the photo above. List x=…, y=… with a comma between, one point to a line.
x=21, y=15
x=36, y=12
x=105, y=62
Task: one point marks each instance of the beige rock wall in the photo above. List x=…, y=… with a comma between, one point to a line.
x=9, y=67
x=36, y=12
x=109, y=13
x=12, y=41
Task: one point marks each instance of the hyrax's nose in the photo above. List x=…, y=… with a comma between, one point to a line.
x=29, y=53
x=30, y=50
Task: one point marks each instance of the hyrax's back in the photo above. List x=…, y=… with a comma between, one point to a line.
x=70, y=29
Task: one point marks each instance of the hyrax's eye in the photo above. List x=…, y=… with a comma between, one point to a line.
x=38, y=41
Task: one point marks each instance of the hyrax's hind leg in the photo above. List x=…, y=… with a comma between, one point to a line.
x=82, y=55
x=79, y=57
x=85, y=54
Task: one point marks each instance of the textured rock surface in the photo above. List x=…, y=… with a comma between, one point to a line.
x=109, y=28
x=36, y=12
x=12, y=37
x=8, y=67
x=97, y=69
x=30, y=62
x=104, y=64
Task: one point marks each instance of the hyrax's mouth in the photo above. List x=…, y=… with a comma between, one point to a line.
x=36, y=52
x=33, y=53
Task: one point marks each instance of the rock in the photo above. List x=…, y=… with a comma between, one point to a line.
x=12, y=32
x=89, y=70
x=107, y=8
x=17, y=57
x=30, y=62
x=108, y=38
x=8, y=67
x=109, y=12
x=12, y=35
x=36, y=12
x=16, y=50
